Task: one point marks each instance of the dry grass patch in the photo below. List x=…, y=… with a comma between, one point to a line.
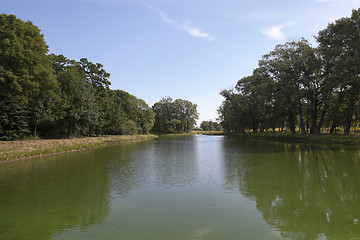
x=12, y=150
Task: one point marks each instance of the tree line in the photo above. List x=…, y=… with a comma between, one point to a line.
x=210, y=126
x=51, y=96
x=297, y=86
x=174, y=116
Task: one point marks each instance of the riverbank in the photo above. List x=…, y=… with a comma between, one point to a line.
x=212, y=133
x=192, y=133
x=324, y=138
x=17, y=150
x=353, y=139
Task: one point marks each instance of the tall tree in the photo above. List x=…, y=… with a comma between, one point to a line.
x=297, y=72
x=78, y=108
x=25, y=77
x=233, y=112
x=339, y=44
x=99, y=80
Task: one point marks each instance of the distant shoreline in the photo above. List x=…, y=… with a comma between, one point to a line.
x=353, y=139
x=11, y=151
x=324, y=138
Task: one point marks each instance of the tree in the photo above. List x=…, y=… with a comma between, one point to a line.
x=99, y=80
x=210, y=126
x=297, y=71
x=26, y=79
x=288, y=81
x=282, y=66
x=163, y=114
x=233, y=111
x=251, y=104
x=186, y=113
x=124, y=110
x=174, y=116
x=78, y=107
x=339, y=45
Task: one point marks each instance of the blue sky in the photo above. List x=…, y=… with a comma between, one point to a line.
x=178, y=48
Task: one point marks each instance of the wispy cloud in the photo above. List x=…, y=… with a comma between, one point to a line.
x=276, y=32
x=188, y=28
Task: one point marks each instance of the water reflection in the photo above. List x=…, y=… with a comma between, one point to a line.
x=43, y=197
x=184, y=188
x=168, y=162
x=305, y=192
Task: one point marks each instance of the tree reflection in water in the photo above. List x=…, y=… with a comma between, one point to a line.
x=41, y=198
x=304, y=191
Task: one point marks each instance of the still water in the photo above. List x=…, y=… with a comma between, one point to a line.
x=186, y=188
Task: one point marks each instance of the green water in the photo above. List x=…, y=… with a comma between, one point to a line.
x=198, y=187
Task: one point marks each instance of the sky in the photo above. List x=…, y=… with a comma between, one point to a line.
x=188, y=49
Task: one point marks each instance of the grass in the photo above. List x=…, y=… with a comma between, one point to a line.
x=193, y=133
x=15, y=150
x=211, y=132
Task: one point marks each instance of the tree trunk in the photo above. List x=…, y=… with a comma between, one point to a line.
x=302, y=126
x=307, y=122
x=255, y=128
x=291, y=122
x=348, y=124
x=322, y=118
x=313, y=114
x=68, y=130
x=90, y=130
x=62, y=128
x=332, y=129
x=349, y=116
x=35, y=128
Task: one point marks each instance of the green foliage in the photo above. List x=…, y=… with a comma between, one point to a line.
x=123, y=107
x=129, y=128
x=25, y=77
x=53, y=96
x=339, y=44
x=78, y=107
x=210, y=126
x=174, y=116
x=297, y=85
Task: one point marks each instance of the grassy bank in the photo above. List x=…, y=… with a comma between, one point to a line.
x=211, y=133
x=324, y=138
x=192, y=133
x=15, y=150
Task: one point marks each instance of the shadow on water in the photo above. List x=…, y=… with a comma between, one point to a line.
x=304, y=191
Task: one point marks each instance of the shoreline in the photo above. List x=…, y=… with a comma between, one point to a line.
x=26, y=149
x=12, y=151
x=353, y=140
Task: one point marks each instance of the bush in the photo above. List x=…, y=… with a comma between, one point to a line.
x=129, y=128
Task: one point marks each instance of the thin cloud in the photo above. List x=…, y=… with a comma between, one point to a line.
x=162, y=15
x=276, y=32
x=192, y=31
